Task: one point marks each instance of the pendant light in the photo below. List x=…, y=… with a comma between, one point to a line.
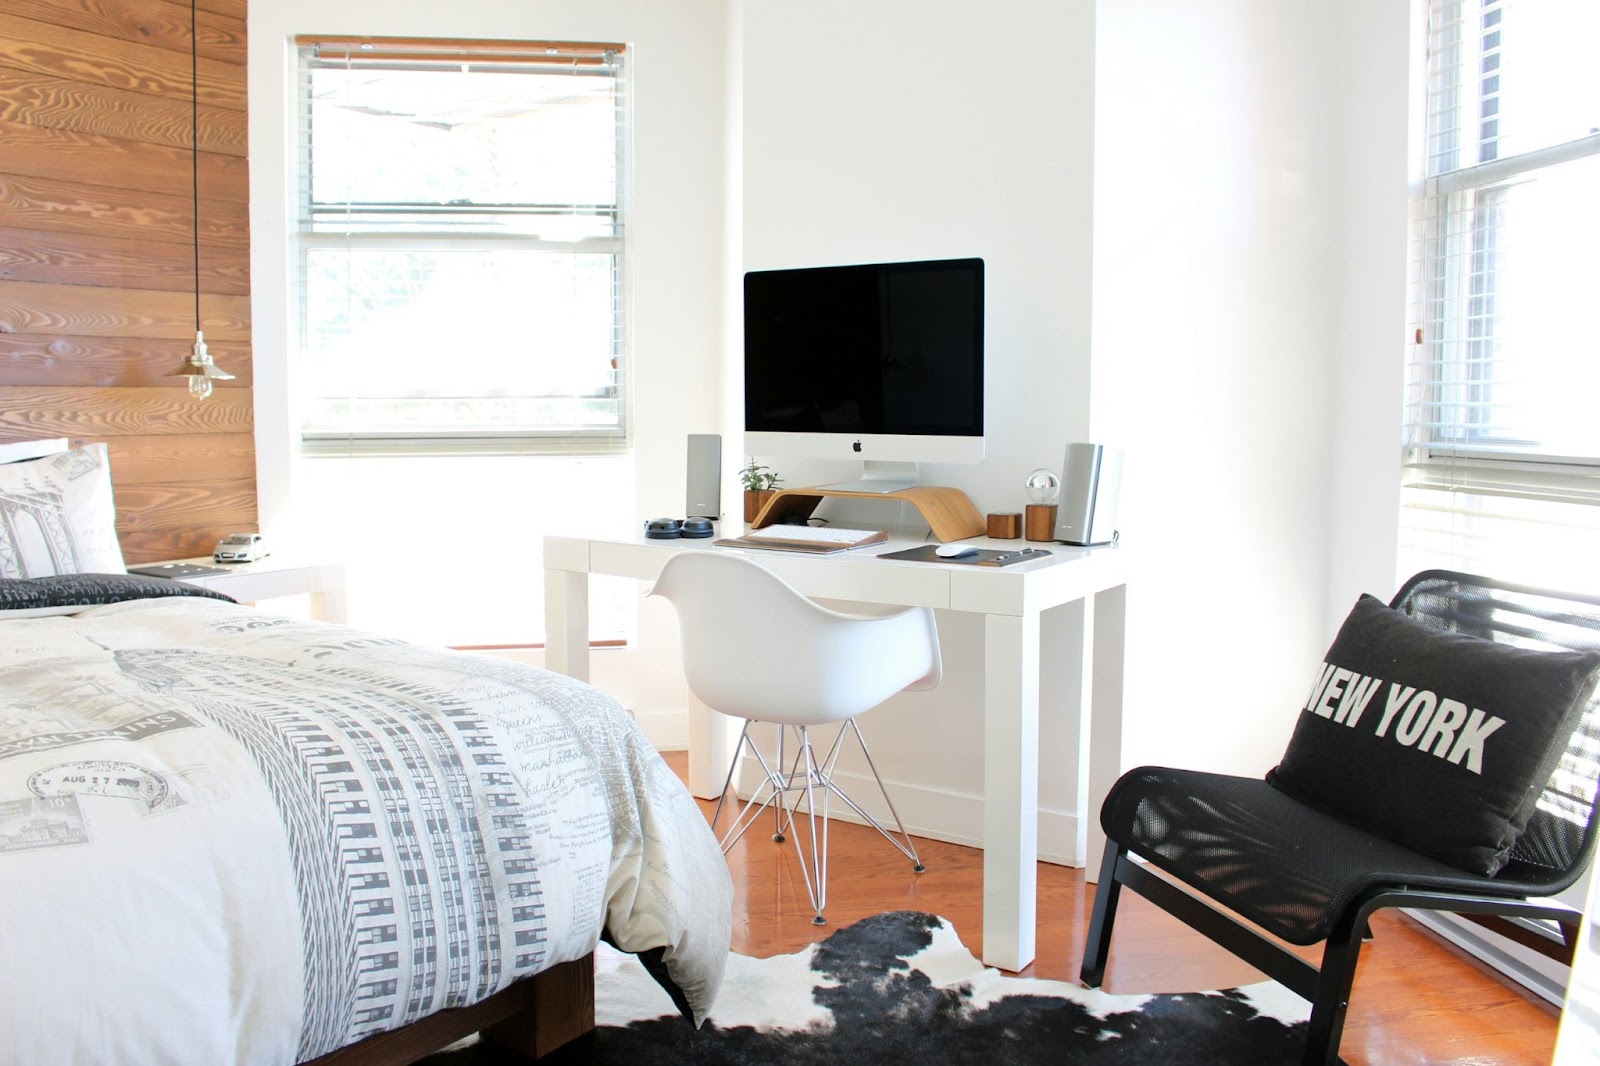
x=197, y=365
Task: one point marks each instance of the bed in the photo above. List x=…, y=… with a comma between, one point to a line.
x=230, y=836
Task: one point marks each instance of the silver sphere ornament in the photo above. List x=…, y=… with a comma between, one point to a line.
x=1043, y=486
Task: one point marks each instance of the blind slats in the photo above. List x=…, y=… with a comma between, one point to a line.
x=462, y=246
x=1501, y=446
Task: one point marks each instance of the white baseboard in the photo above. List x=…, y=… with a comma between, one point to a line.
x=1533, y=971
x=951, y=817
x=666, y=730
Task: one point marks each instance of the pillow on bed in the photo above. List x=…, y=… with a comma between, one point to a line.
x=1437, y=740
x=57, y=515
x=64, y=593
x=18, y=450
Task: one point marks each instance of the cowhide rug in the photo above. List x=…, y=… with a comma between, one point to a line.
x=901, y=988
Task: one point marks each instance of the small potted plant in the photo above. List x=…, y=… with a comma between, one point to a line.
x=759, y=482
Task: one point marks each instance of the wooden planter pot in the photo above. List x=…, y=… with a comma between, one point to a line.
x=755, y=500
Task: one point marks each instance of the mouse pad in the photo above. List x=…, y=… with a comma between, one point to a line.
x=982, y=557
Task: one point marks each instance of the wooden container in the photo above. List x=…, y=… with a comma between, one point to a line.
x=754, y=500
x=1040, y=522
x=1006, y=525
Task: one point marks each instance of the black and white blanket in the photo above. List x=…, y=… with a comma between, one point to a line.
x=232, y=837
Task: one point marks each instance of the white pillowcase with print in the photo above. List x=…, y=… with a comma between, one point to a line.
x=32, y=449
x=57, y=515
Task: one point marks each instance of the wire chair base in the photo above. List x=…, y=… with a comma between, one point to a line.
x=805, y=775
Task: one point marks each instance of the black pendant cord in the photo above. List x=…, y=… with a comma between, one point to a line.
x=194, y=145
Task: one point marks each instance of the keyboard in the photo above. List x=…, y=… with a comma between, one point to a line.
x=819, y=540
x=817, y=534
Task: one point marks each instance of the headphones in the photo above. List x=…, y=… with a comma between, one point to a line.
x=672, y=528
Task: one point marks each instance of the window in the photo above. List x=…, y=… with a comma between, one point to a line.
x=1502, y=470
x=460, y=258
x=461, y=246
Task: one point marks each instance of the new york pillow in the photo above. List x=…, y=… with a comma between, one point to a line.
x=1436, y=740
x=57, y=515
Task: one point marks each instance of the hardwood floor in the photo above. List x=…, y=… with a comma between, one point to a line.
x=1417, y=999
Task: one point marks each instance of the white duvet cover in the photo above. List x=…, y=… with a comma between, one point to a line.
x=232, y=837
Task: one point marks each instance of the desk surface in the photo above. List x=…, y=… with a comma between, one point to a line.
x=1068, y=574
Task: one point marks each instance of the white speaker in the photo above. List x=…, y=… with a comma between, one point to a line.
x=1091, y=478
x=705, y=476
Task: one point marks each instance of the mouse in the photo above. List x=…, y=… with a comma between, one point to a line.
x=954, y=551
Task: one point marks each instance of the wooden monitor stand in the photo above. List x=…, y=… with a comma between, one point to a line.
x=950, y=514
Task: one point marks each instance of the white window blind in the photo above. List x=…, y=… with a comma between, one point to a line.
x=462, y=247
x=1502, y=471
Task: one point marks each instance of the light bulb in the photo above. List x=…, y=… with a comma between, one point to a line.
x=1043, y=486
x=199, y=386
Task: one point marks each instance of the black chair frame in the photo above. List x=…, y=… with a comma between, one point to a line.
x=1490, y=900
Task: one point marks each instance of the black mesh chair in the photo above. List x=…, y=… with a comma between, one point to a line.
x=1306, y=877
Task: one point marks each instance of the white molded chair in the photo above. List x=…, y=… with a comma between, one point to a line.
x=756, y=648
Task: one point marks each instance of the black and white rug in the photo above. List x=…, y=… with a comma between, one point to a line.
x=901, y=987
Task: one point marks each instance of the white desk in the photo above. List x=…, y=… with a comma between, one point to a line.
x=1010, y=599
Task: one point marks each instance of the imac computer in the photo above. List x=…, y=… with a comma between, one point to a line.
x=880, y=363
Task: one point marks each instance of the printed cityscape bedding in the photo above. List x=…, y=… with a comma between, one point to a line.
x=232, y=837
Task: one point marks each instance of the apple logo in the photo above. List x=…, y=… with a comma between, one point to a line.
x=856, y=447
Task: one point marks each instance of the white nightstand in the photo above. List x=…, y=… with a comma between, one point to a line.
x=276, y=576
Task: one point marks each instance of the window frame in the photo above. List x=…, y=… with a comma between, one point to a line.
x=1470, y=498
x=528, y=437
x=1442, y=296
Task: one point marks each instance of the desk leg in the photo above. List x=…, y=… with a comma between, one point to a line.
x=1010, y=789
x=712, y=737
x=566, y=623
x=1104, y=764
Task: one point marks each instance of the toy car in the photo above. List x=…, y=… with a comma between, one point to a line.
x=240, y=548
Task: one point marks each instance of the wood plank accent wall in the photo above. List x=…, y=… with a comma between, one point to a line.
x=96, y=255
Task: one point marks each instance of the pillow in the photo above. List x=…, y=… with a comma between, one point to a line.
x=32, y=449
x=57, y=515
x=65, y=593
x=1436, y=740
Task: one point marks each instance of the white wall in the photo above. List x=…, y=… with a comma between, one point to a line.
x=929, y=129
x=678, y=55
x=1250, y=236
x=1213, y=359
x=891, y=130
x=1372, y=167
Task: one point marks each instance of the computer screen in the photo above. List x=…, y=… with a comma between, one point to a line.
x=879, y=362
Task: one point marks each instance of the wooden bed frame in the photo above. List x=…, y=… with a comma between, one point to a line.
x=533, y=1017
